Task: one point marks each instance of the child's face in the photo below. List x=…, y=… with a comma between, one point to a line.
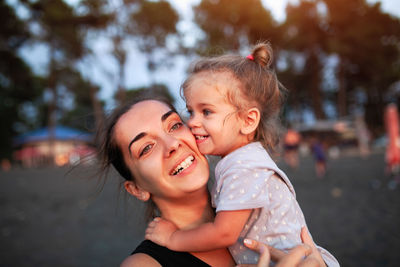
x=214, y=121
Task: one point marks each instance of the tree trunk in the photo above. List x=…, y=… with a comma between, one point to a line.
x=315, y=86
x=98, y=111
x=342, y=93
x=51, y=121
x=120, y=55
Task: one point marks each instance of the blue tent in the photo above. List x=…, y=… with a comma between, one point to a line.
x=60, y=133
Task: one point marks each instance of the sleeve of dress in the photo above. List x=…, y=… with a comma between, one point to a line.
x=241, y=186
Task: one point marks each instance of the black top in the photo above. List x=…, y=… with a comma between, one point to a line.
x=168, y=257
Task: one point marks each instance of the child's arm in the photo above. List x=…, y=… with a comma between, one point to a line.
x=221, y=233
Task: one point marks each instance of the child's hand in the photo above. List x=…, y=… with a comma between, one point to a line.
x=160, y=231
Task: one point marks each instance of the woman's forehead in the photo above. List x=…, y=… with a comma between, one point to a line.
x=142, y=117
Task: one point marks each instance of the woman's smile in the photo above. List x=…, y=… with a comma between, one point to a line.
x=183, y=165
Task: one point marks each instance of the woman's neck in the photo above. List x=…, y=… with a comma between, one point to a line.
x=189, y=212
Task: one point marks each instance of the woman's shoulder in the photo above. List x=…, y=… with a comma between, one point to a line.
x=139, y=259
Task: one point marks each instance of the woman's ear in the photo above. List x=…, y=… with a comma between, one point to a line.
x=251, y=120
x=133, y=189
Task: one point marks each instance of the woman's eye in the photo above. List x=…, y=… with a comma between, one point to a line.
x=176, y=126
x=145, y=150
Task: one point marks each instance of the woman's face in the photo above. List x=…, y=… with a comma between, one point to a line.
x=160, y=151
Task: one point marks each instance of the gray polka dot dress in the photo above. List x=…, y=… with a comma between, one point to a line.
x=248, y=178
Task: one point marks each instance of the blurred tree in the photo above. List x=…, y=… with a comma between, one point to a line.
x=94, y=18
x=154, y=22
x=148, y=24
x=82, y=114
x=366, y=41
x=18, y=86
x=59, y=32
x=232, y=25
x=292, y=77
x=303, y=34
x=57, y=25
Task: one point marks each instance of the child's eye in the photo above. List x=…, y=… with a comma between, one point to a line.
x=176, y=126
x=206, y=112
x=190, y=112
x=145, y=150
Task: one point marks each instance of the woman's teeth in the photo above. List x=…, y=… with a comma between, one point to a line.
x=183, y=165
x=201, y=137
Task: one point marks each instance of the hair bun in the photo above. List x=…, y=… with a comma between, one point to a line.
x=263, y=55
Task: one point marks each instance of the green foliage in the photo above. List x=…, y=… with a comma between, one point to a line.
x=18, y=88
x=231, y=25
x=12, y=30
x=154, y=21
x=364, y=40
x=59, y=27
x=367, y=43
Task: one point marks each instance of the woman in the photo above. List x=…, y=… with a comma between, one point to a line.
x=148, y=144
x=156, y=153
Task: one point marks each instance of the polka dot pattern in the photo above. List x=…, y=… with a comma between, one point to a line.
x=249, y=179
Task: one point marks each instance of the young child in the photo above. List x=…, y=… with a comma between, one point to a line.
x=234, y=105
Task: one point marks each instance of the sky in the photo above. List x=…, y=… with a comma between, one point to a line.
x=137, y=74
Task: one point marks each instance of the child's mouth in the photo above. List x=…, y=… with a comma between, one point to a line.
x=200, y=138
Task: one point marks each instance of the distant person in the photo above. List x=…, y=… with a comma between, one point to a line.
x=393, y=145
x=393, y=142
x=5, y=165
x=234, y=103
x=291, y=147
x=319, y=155
x=363, y=136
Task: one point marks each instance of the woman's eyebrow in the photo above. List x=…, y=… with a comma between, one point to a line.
x=137, y=137
x=166, y=115
x=143, y=134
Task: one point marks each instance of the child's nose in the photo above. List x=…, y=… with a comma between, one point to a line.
x=193, y=122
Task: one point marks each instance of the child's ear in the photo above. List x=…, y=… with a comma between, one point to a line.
x=251, y=121
x=133, y=189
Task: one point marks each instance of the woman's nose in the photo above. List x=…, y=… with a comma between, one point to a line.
x=171, y=145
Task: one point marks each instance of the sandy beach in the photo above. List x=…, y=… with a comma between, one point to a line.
x=57, y=217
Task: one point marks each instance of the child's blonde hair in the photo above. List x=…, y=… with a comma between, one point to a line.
x=259, y=87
